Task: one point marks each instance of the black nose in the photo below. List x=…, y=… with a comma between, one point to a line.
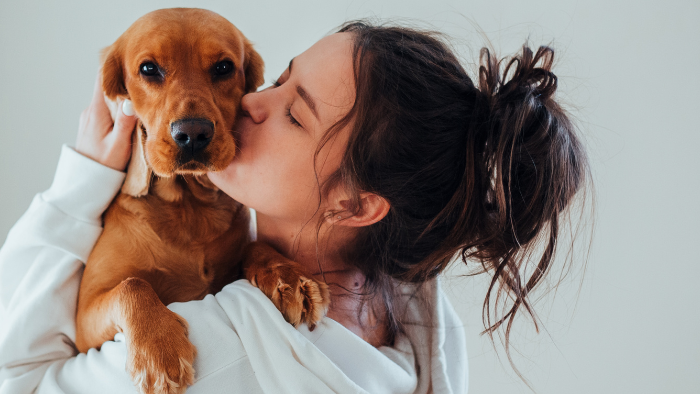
x=192, y=135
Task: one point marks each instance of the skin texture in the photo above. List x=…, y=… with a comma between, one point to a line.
x=102, y=139
x=275, y=173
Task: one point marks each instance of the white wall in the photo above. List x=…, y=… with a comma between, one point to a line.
x=628, y=71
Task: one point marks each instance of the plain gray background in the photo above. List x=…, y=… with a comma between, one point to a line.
x=628, y=73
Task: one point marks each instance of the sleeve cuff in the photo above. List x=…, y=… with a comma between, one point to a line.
x=82, y=187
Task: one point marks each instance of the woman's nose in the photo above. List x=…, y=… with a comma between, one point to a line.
x=252, y=105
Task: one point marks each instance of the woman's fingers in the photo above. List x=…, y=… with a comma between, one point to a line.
x=124, y=126
x=119, y=139
x=102, y=139
x=128, y=108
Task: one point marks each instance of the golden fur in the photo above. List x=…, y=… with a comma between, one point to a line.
x=171, y=235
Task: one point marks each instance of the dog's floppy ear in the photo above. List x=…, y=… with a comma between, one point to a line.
x=138, y=174
x=254, y=68
x=113, y=72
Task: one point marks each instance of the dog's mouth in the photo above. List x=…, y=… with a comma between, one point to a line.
x=192, y=167
x=187, y=161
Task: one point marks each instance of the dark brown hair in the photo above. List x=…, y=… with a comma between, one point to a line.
x=482, y=172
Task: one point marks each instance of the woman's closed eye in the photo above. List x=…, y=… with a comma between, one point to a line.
x=291, y=118
x=288, y=112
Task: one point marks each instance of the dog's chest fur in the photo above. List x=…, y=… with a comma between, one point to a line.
x=194, y=233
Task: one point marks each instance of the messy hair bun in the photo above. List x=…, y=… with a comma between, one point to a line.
x=482, y=172
x=531, y=165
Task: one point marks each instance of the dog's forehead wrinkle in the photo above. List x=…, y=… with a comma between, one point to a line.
x=175, y=37
x=214, y=56
x=211, y=49
x=203, y=44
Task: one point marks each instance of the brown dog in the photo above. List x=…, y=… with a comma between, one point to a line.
x=171, y=235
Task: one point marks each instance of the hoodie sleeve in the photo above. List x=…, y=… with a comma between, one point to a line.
x=41, y=264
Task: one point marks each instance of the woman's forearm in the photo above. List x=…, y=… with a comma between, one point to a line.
x=41, y=264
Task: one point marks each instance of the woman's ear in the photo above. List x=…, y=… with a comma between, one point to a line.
x=113, y=72
x=373, y=208
x=254, y=68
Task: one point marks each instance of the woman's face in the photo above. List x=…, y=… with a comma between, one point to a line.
x=281, y=128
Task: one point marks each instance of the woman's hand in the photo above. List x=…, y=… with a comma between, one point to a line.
x=101, y=139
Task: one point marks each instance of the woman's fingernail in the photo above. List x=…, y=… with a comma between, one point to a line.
x=128, y=108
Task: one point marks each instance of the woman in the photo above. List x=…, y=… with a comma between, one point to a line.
x=372, y=161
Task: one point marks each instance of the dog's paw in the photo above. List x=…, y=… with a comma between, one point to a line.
x=299, y=298
x=160, y=356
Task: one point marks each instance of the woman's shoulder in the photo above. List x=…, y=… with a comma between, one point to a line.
x=437, y=336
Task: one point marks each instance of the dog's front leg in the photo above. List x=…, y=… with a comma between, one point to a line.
x=159, y=354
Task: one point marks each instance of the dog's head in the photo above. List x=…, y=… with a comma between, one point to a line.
x=185, y=70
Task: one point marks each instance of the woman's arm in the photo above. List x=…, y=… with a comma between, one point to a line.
x=41, y=265
x=42, y=260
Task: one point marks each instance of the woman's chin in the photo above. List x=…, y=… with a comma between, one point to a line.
x=223, y=179
x=215, y=178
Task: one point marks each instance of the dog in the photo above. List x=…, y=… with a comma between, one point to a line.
x=171, y=235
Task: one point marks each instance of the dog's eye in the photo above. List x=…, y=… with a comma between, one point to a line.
x=223, y=68
x=149, y=69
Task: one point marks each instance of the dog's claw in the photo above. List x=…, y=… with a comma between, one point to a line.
x=300, y=299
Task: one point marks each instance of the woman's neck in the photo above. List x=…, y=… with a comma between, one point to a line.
x=315, y=249
x=318, y=251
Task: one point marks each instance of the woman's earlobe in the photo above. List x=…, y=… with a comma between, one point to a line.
x=373, y=209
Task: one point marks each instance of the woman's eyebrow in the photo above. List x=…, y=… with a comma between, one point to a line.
x=307, y=98
x=305, y=95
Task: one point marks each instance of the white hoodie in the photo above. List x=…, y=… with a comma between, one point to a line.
x=243, y=342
